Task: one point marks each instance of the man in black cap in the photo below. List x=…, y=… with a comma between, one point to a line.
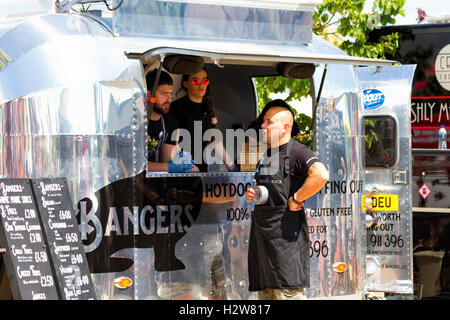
x=161, y=148
x=278, y=255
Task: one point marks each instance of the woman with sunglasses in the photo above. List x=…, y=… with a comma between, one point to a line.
x=196, y=106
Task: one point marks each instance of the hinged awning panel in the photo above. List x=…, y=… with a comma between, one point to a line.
x=229, y=52
x=247, y=20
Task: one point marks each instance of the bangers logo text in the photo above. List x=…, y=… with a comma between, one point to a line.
x=137, y=212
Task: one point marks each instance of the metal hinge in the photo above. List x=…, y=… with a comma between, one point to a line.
x=400, y=176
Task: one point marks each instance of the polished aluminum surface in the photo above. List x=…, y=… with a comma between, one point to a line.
x=71, y=104
x=47, y=52
x=334, y=219
x=389, y=243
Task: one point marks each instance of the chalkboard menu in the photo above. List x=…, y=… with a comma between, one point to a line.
x=26, y=258
x=64, y=239
x=44, y=255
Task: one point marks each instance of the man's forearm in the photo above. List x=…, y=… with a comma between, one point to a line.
x=317, y=177
x=157, y=166
x=168, y=151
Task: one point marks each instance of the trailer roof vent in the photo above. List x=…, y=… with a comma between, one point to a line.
x=183, y=64
x=296, y=70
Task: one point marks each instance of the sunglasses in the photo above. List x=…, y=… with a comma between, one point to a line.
x=196, y=82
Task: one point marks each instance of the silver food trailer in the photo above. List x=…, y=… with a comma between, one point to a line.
x=73, y=105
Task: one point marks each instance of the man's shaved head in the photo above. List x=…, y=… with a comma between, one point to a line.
x=277, y=123
x=282, y=114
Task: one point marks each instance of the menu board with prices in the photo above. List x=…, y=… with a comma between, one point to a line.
x=26, y=257
x=64, y=240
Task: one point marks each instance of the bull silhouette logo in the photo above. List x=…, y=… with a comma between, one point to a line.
x=138, y=212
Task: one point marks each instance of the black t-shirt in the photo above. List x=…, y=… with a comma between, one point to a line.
x=185, y=112
x=156, y=132
x=300, y=161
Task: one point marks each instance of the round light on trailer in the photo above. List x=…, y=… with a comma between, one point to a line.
x=339, y=267
x=123, y=282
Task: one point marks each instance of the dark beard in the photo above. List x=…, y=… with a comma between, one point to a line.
x=157, y=108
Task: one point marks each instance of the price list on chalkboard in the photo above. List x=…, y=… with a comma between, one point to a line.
x=63, y=236
x=26, y=258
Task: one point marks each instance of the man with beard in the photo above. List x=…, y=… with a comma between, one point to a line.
x=162, y=150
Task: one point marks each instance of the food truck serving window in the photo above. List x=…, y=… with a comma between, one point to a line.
x=380, y=141
x=211, y=136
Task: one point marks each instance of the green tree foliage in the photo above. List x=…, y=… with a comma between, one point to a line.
x=371, y=135
x=343, y=23
x=345, y=20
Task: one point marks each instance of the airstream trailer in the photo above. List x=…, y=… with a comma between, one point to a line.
x=73, y=105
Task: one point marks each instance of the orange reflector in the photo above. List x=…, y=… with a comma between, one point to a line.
x=339, y=267
x=123, y=282
x=153, y=99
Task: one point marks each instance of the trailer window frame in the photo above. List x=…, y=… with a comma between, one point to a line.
x=379, y=143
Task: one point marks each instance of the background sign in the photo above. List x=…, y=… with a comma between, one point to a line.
x=442, y=67
x=427, y=114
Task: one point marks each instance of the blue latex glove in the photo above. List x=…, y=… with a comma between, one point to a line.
x=233, y=168
x=180, y=168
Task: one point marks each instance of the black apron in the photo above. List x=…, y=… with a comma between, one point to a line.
x=278, y=255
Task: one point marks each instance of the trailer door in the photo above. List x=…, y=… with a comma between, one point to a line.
x=386, y=203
